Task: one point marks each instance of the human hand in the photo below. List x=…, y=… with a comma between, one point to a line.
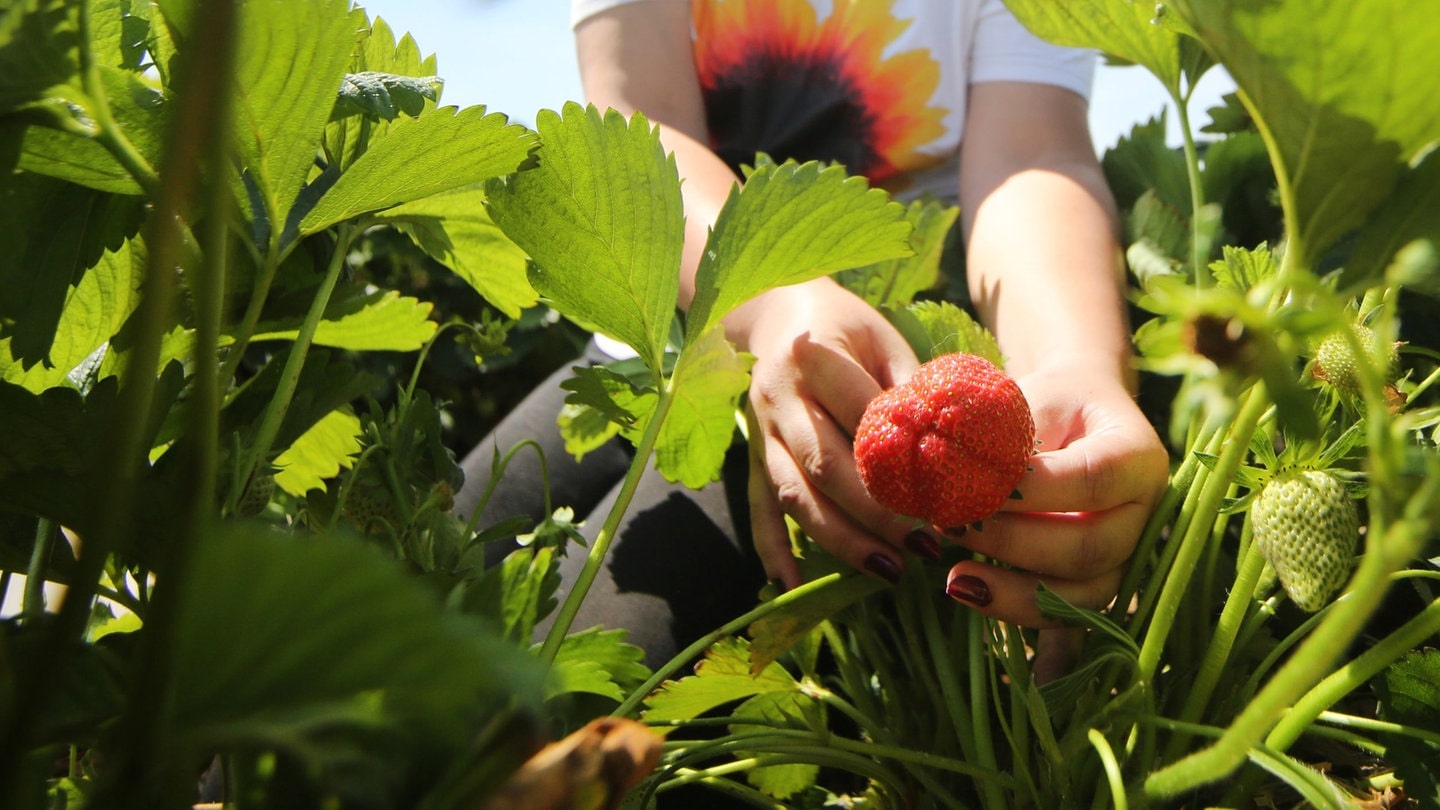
x=1089, y=492
x=821, y=355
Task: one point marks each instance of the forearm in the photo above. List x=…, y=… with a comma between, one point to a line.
x=1045, y=270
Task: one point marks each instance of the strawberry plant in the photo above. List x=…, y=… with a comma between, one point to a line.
x=263, y=578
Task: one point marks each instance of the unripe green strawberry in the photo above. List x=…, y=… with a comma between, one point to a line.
x=949, y=445
x=1306, y=525
x=257, y=495
x=1336, y=363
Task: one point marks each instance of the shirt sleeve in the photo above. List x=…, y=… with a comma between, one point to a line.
x=581, y=10
x=1005, y=50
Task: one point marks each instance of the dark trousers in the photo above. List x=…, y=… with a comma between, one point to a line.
x=681, y=563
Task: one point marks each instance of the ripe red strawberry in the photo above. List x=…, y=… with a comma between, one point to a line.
x=948, y=446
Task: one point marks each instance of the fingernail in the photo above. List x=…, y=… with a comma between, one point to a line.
x=779, y=585
x=923, y=545
x=970, y=589
x=956, y=532
x=883, y=567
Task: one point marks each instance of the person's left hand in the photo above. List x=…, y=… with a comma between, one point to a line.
x=1099, y=471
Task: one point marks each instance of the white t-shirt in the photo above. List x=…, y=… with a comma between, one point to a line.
x=878, y=85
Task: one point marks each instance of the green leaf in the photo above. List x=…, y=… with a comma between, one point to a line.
x=780, y=630
x=709, y=379
x=1243, y=268
x=456, y=230
x=592, y=413
x=601, y=217
x=139, y=110
x=94, y=311
x=377, y=51
x=1054, y=606
x=384, y=95
x=722, y=677
x=117, y=33
x=1412, y=212
x=381, y=321
x=1126, y=29
x=599, y=662
x=1410, y=690
x=1341, y=117
x=38, y=51
x=1142, y=162
x=291, y=59
x=330, y=445
x=441, y=150
x=514, y=595
x=784, y=709
x=37, y=270
x=273, y=629
x=896, y=282
x=788, y=224
x=934, y=328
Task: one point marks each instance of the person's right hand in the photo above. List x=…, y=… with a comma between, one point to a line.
x=822, y=354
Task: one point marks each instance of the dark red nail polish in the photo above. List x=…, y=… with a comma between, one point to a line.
x=883, y=567
x=923, y=545
x=779, y=585
x=956, y=532
x=969, y=589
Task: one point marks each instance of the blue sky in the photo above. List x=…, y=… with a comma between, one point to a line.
x=517, y=57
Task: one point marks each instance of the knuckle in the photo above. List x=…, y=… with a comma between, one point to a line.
x=790, y=495
x=1098, y=480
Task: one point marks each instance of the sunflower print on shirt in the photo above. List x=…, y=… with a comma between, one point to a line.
x=778, y=80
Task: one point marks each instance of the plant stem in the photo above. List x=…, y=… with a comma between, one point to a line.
x=1350, y=677
x=565, y=617
x=1113, y=776
x=1382, y=726
x=1186, y=486
x=109, y=134
x=1198, y=532
x=1330, y=638
x=33, y=604
x=736, y=625
x=1232, y=618
x=294, y=365
x=1198, y=247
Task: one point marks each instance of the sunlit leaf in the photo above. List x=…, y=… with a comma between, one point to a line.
x=1135, y=32
x=790, y=224
x=456, y=230
x=330, y=445
x=896, y=282
x=599, y=662
x=291, y=58
x=939, y=327
x=377, y=51
x=36, y=269
x=1342, y=117
x=708, y=382
x=94, y=311
x=441, y=150
x=138, y=109
x=723, y=676
x=381, y=321
x=601, y=217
